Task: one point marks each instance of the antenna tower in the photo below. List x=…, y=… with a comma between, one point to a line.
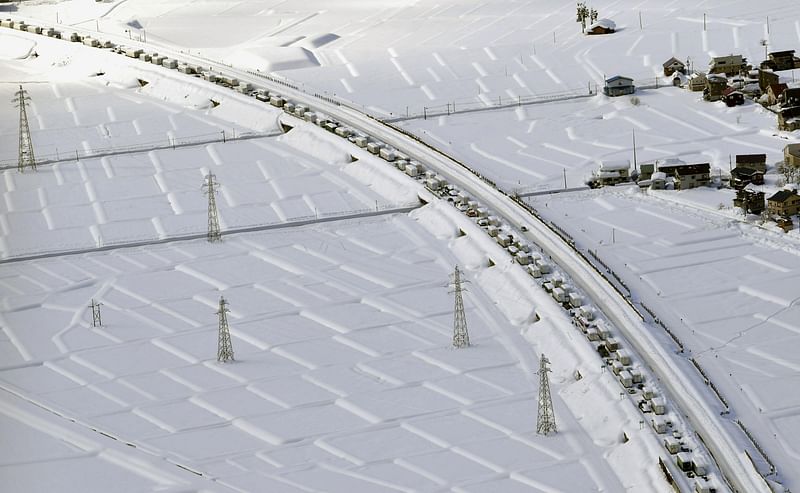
x=224, y=346
x=546, y=420
x=460, y=334
x=210, y=188
x=96, y=320
x=26, y=157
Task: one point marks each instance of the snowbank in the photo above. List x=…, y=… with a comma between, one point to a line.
x=15, y=48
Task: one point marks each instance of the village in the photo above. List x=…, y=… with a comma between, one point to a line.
x=732, y=81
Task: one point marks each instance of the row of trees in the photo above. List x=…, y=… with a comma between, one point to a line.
x=585, y=13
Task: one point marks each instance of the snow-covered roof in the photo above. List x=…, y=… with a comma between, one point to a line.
x=617, y=165
x=658, y=175
x=605, y=23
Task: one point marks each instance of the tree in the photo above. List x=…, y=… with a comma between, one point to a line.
x=791, y=174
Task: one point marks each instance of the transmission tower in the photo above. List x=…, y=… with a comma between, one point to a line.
x=224, y=346
x=96, y=320
x=546, y=420
x=460, y=334
x=210, y=189
x=26, y=158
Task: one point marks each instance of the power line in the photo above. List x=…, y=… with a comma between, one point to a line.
x=96, y=320
x=460, y=334
x=546, y=419
x=210, y=189
x=224, y=346
x=26, y=158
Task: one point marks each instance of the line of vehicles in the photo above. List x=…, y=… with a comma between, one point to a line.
x=585, y=317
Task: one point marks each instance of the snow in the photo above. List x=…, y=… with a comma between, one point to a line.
x=362, y=353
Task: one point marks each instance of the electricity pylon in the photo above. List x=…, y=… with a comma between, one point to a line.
x=26, y=157
x=460, y=334
x=210, y=189
x=224, y=346
x=96, y=320
x=546, y=420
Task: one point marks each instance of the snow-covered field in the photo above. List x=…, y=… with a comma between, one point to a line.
x=344, y=377
x=344, y=380
x=727, y=289
x=393, y=405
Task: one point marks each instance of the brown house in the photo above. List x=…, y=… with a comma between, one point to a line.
x=673, y=65
x=715, y=86
x=741, y=177
x=790, y=97
x=752, y=201
x=602, y=26
x=732, y=97
x=757, y=162
x=781, y=60
x=766, y=78
x=791, y=155
x=789, y=119
x=784, y=203
x=774, y=92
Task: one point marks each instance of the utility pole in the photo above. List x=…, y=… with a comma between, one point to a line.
x=26, y=157
x=224, y=346
x=546, y=419
x=96, y=320
x=210, y=189
x=460, y=334
x=635, y=168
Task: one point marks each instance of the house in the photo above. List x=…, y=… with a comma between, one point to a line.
x=767, y=78
x=697, y=82
x=791, y=155
x=728, y=65
x=784, y=203
x=774, y=92
x=790, y=97
x=687, y=175
x=673, y=65
x=789, y=119
x=646, y=170
x=742, y=176
x=750, y=200
x=715, y=86
x=602, y=26
x=618, y=86
x=781, y=60
x=757, y=162
x=732, y=97
x=611, y=173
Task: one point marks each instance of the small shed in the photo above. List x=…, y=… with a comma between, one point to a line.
x=673, y=65
x=618, y=85
x=732, y=97
x=602, y=26
x=658, y=181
